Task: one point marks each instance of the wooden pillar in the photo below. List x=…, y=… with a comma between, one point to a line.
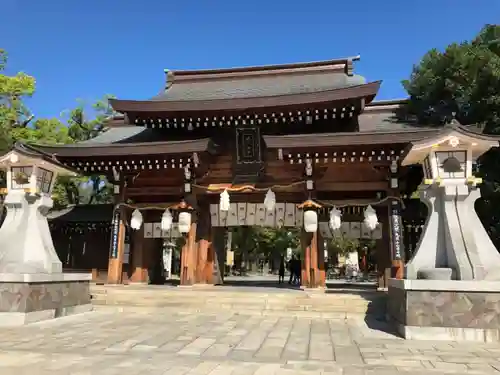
x=313, y=265
x=115, y=264
x=383, y=247
x=321, y=261
x=188, y=257
x=218, y=252
x=203, y=244
x=138, y=263
x=305, y=257
x=314, y=270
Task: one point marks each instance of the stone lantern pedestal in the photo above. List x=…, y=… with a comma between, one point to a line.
x=451, y=289
x=32, y=284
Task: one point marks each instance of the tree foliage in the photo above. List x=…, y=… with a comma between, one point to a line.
x=263, y=242
x=463, y=81
x=13, y=112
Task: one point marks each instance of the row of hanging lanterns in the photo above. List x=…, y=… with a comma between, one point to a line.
x=370, y=218
x=310, y=215
x=167, y=219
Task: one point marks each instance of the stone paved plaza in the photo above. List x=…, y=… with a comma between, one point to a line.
x=161, y=341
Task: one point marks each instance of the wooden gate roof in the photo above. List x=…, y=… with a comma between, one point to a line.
x=256, y=87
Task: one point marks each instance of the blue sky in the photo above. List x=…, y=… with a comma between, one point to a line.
x=86, y=49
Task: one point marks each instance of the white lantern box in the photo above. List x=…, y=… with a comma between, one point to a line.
x=184, y=221
x=31, y=172
x=310, y=209
x=449, y=159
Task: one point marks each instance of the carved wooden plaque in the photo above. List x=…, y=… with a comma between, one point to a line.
x=248, y=145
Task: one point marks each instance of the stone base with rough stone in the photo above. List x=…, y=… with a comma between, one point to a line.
x=28, y=298
x=445, y=310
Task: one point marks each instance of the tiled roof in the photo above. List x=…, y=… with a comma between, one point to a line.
x=260, y=86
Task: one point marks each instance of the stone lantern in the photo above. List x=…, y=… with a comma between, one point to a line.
x=27, y=254
x=454, y=244
x=452, y=285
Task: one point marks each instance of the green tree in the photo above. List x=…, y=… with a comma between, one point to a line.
x=342, y=245
x=81, y=126
x=463, y=81
x=13, y=112
x=256, y=242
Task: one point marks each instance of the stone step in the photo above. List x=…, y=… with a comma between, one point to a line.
x=249, y=302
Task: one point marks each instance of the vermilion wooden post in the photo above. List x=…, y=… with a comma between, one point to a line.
x=306, y=258
x=139, y=268
x=188, y=259
x=203, y=244
x=321, y=261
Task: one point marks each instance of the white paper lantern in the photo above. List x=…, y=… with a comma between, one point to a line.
x=184, y=221
x=166, y=220
x=335, y=219
x=371, y=220
x=136, y=220
x=224, y=201
x=14, y=158
x=270, y=200
x=310, y=221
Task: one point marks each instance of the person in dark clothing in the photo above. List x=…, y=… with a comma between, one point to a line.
x=281, y=273
x=297, y=270
x=291, y=269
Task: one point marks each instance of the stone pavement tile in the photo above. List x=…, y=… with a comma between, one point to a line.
x=395, y=362
x=19, y=359
x=348, y=355
x=197, y=347
x=319, y=350
x=495, y=365
x=318, y=366
x=461, y=359
x=217, y=350
x=203, y=368
x=177, y=370
x=248, y=369
x=241, y=355
x=371, y=355
x=174, y=346
x=268, y=369
x=225, y=368
x=270, y=352
x=229, y=339
x=450, y=367
x=228, y=344
x=285, y=371
x=252, y=341
x=481, y=368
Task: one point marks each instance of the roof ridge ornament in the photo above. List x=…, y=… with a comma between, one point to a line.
x=349, y=66
x=169, y=78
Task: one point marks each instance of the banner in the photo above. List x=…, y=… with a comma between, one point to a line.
x=396, y=231
x=114, y=234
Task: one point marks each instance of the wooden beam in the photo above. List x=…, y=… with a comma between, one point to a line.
x=159, y=190
x=351, y=186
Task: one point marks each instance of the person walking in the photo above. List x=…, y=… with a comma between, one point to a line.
x=291, y=269
x=281, y=273
x=297, y=269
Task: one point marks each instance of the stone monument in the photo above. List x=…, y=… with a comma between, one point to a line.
x=451, y=288
x=32, y=284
